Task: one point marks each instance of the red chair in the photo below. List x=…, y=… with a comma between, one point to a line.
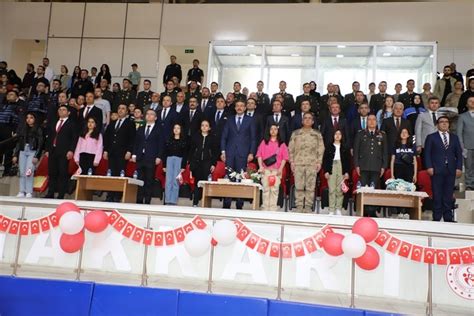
x=386, y=175
x=72, y=167
x=219, y=171
x=252, y=166
x=160, y=175
x=101, y=169
x=424, y=182
x=130, y=169
x=187, y=178
x=419, y=163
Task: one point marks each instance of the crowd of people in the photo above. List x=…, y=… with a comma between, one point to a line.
x=80, y=117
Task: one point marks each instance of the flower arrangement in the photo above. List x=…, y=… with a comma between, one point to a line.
x=400, y=185
x=250, y=174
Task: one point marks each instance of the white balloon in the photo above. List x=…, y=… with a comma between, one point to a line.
x=224, y=232
x=354, y=246
x=71, y=223
x=197, y=242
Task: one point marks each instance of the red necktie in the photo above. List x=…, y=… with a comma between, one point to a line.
x=336, y=124
x=61, y=122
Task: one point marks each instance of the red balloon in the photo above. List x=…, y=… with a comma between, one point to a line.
x=366, y=227
x=369, y=260
x=72, y=243
x=66, y=207
x=332, y=244
x=271, y=180
x=96, y=221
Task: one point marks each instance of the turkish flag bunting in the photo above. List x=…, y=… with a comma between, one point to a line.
x=310, y=245
x=299, y=249
x=179, y=233
x=5, y=223
x=128, y=231
x=416, y=253
x=14, y=226
x=263, y=246
x=393, y=244
x=113, y=217
x=441, y=256
x=327, y=229
x=275, y=249
x=405, y=249
x=120, y=223
x=169, y=237
x=428, y=255
x=138, y=234
x=45, y=226
x=35, y=226
x=147, y=237
x=286, y=249
x=199, y=223
x=24, y=228
x=382, y=238
x=158, y=238
x=252, y=241
x=454, y=256
x=319, y=237
x=53, y=219
x=188, y=227
x=238, y=223
x=466, y=255
x=243, y=233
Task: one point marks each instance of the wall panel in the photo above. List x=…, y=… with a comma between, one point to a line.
x=65, y=24
x=143, y=20
x=142, y=52
x=104, y=20
x=96, y=52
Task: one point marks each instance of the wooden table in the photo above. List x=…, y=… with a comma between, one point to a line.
x=217, y=189
x=411, y=200
x=86, y=185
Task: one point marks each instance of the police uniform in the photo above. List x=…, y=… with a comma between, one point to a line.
x=172, y=70
x=195, y=74
x=306, y=149
x=370, y=155
x=144, y=98
x=126, y=97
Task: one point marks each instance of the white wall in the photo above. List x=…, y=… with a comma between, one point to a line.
x=193, y=26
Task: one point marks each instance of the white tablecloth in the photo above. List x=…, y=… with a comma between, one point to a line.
x=201, y=184
x=374, y=191
x=129, y=180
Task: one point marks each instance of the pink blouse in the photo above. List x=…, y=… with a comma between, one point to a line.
x=267, y=150
x=89, y=145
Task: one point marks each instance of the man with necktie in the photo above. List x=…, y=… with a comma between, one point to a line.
x=393, y=125
x=278, y=118
x=443, y=162
x=426, y=123
x=191, y=118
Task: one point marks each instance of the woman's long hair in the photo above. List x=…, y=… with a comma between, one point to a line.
x=384, y=109
x=267, y=136
x=398, y=141
x=181, y=132
x=95, y=133
x=343, y=139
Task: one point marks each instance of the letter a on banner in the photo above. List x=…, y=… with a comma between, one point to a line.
x=236, y=265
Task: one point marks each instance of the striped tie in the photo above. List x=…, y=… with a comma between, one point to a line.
x=445, y=141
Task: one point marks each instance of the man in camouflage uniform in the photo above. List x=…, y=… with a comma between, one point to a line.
x=306, y=149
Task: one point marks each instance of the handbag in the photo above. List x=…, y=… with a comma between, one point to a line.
x=270, y=161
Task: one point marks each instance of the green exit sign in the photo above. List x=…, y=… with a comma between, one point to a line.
x=189, y=51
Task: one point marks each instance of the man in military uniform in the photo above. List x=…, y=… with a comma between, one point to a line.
x=172, y=70
x=193, y=91
x=195, y=73
x=106, y=93
x=378, y=100
x=170, y=91
x=370, y=156
x=214, y=92
x=125, y=96
x=238, y=95
x=263, y=100
x=144, y=97
x=306, y=96
x=407, y=97
x=306, y=150
x=288, y=101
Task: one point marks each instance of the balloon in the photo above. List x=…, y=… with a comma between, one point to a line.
x=72, y=243
x=224, y=232
x=197, y=242
x=71, y=223
x=366, y=227
x=66, y=207
x=353, y=246
x=369, y=260
x=96, y=221
x=271, y=180
x=332, y=244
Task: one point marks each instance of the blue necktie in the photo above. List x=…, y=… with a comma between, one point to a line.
x=239, y=122
x=147, y=132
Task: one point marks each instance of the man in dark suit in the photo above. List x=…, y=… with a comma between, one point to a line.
x=287, y=99
x=180, y=105
x=393, y=125
x=443, y=161
x=118, y=145
x=297, y=119
x=205, y=100
x=263, y=100
x=146, y=152
x=167, y=117
x=306, y=96
x=90, y=110
x=238, y=144
x=60, y=146
x=331, y=92
x=144, y=97
x=218, y=117
x=407, y=97
x=170, y=91
x=238, y=95
x=377, y=100
x=193, y=91
x=350, y=98
x=191, y=118
x=258, y=118
x=359, y=123
x=277, y=118
x=332, y=123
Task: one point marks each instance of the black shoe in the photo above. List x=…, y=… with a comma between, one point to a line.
x=49, y=196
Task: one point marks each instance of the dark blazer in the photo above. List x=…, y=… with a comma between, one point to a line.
x=259, y=121
x=95, y=112
x=388, y=126
x=240, y=142
x=283, y=126
x=263, y=104
x=297, y=122
x=407, y=99
x=327, y=128
x=436, y=155
x=210, y=104
x=370, y=151
x=166, y=126
x=354, y=128
x=376, y=102
x=328, y=158
x=209, y=151
x=325, y=98
x=118, y=142
x=313, y=101
x=66, y=139
x=216, y=127
x=150, y=148
x=193, y=126
x=288, y=102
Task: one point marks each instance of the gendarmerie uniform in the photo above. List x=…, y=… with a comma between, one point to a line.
x=313, y=101
x=196, y=94
x=213, y=97
x=407, y=99
x=377, y=101
x=144, y=98
x=288, y=102
x=195, y=74
x=172, y=70
x=171, y=94
x=108, y=95
x=263, y=104
x=238, y=96
x=124, y=97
